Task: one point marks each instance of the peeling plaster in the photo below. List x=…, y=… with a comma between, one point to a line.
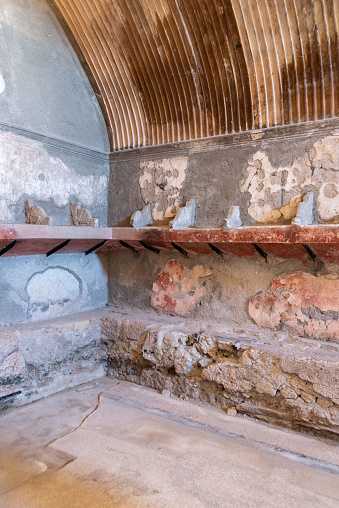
x=306, y=304
x=177, y=290
x=160, y=183
x=26, y=168
x=276, y=192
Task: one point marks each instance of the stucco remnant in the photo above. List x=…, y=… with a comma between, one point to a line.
x=52, y=293
x=233, y=219
x=160, y=184
x=275, y=193
x=82, y=216
x=142, y=218
x=40, y=360
x=293, y=383
x=185, y=216
x=306, y=304
x=304, y=215
x=26, y=168
x=36, y=214
x=2, y=84
x=177, y=290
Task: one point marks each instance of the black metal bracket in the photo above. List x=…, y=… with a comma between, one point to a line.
x=8, y=247
x=128, y=246
x=179, y=249
x=58, y=247
x=215, y=249
x=260, y=251
x=309, y=251
x=97, y=246
x=150, y=247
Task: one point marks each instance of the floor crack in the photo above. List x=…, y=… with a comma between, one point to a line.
x=83, y=421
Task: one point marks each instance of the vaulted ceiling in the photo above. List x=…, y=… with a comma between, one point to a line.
x=174, y=70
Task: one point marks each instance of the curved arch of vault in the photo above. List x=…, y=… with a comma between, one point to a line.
x=175, y=70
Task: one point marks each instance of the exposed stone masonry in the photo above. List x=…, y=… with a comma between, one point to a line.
x=291, y=381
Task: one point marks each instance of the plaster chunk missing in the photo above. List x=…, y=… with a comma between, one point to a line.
x=177, y=290
x=306, y=304
x=160, y=183
x=276, y=192
x=26, y=168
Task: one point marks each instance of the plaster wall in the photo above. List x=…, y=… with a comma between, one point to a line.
x=260, y=331
x=53, y=145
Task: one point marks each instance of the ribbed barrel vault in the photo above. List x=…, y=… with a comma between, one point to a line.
x=174, y=70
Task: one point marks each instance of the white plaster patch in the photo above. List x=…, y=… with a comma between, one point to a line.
x=276, y=192
x=51, y=291
x=2, y=84
x=160, y=183
x=22, y=164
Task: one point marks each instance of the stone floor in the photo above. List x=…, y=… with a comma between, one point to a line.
x=115, y=444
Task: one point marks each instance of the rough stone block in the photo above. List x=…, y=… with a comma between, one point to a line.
x=293, y=382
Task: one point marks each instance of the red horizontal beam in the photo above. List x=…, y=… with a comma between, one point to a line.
x=254, y=234
x=282, y=241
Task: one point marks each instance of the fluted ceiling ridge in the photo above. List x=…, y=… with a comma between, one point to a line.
x=174, y=70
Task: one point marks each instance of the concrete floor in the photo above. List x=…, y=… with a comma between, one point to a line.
x=114, y=444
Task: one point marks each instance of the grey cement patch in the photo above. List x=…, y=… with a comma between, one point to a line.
x=39, y=288
x=47, y=90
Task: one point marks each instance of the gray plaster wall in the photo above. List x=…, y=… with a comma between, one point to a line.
x=227, y=288
x=266, y=177
x=53, y=141
x=46, y=89
x=36, y=288
x=54, y=151
x=217, y=170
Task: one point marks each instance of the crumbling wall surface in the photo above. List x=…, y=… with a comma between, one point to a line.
x=53, y=141
x=35, y=288
x=291, y=382
x=41, y=359
x=266, y=177
x=51, y=176
x=306, y=304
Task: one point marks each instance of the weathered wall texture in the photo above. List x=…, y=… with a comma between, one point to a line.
x=40, y=359
x=286, y=382
x=35, y=288
x=266, y=177
x=52, y=177
x=53, y=151
x=264, y=337
x=53, y=141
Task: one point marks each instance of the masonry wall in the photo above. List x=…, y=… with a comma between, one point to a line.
x=53, y=151
x=254, y=335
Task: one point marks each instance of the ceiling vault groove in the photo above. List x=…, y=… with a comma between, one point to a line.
x=166, y=71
